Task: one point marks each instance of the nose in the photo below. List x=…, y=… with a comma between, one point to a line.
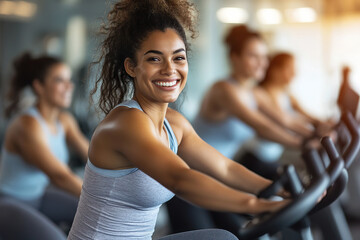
x=168, y=68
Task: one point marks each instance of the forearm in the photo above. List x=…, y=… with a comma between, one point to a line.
x=211, y=194
x=277, y=134
x=239, y=177
x=68, y=182
x=301, y=128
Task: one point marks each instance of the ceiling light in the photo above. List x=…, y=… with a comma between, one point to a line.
x=269, y=16
x=304, y=14
x=232, y=15
x=25, y=9
x=7, y=7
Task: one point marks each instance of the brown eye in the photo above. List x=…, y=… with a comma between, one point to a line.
x=153, y=59
x=180, y=58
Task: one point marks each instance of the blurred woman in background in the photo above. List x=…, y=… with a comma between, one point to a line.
x=275, y=100
x=35, y=152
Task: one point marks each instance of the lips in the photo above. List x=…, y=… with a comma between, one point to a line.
x=168, y=84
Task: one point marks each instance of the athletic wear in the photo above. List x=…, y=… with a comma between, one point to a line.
x=120, y=204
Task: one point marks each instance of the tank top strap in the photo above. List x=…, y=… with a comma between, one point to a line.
x=172, y=138
x=130, y=104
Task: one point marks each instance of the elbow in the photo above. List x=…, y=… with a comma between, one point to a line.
x=178, y=187
x=180, y=183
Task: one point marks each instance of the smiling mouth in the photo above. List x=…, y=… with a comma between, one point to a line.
x=166, y=83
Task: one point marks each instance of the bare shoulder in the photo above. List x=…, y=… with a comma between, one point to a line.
x=67, y=119
x=24, y=128
x=221, y=86
x=175, y=118
x=225, y=90
x=25, y=124
x=121, y=121
x=117, y=135
x=179, y=123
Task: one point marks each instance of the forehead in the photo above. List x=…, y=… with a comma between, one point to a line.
x=167, y=41
x=59, y=68
x=255, y=44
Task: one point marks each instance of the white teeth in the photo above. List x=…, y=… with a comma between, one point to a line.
x=166, y=84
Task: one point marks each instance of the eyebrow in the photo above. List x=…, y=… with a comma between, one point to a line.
x=160, y=53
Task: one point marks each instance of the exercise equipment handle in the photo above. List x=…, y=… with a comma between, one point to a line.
x=354, y=146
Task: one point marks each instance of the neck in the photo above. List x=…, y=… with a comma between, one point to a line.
x=156, y=111
x=49, y=113
x=242, y=80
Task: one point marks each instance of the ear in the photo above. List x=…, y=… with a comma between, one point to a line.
x=129, y=67
x=37, y=86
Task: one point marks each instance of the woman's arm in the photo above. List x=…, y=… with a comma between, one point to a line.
x=272, y=109
x=31, y=144
x=295, y=104
x=74, y=137
x=208, y=160
x=137, y=141
x=321, y=127
x=230, y=99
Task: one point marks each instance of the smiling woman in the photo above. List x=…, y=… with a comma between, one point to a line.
x=35, y=153
x=143, y=152
x=162, y=65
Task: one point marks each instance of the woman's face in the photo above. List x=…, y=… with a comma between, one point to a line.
x=57, y=88
x=161, y=67
x=252, y=61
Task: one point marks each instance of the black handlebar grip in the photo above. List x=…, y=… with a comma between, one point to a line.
x=294, y=184
x=336, y=161
x=353, y=149
x=273, y=188
x=333, y=192
x=314, y=162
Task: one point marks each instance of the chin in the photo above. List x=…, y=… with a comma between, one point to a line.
x=170, y=99
x=64, y=105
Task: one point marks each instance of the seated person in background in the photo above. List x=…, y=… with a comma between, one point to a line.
x=274, y=100
x=229, y=115
x=35, y=151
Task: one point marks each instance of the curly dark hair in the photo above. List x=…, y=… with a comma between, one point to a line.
x=27, y=69
x=129, y=23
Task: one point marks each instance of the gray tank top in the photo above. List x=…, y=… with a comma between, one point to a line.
x=120, y=204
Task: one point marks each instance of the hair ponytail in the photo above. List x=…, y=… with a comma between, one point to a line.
x=27, y=69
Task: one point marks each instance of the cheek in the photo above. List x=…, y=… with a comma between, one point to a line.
x=185, y=71
x=252, y=65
